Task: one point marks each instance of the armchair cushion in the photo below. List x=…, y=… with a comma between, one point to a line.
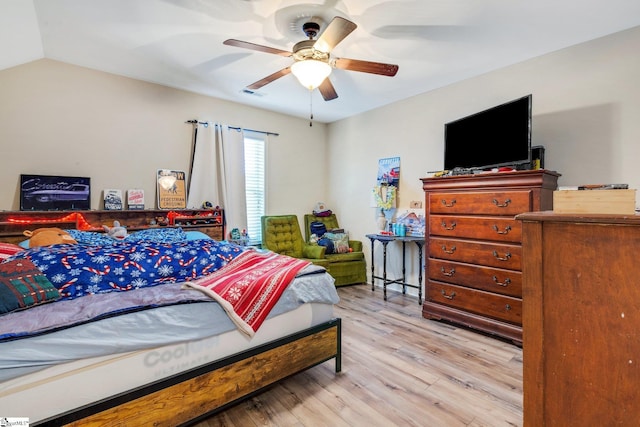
x=355, y=245
x=347, y=268
x=313, y=251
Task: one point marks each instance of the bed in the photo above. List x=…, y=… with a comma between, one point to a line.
x=158, y=330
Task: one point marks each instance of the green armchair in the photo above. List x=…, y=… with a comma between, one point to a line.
x=282, y=234
x=347, y=268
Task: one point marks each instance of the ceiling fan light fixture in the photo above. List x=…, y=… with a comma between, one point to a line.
x=310, y=72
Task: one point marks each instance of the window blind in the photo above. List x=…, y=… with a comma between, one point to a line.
x=254, y=175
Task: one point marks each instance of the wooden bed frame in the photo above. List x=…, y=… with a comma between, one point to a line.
x=192, y=396
x=196, y=394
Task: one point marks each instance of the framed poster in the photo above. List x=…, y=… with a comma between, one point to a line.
x=53, y=193
x=113, y=200
x=389, y=171
x=135, y=199
x=171, y=189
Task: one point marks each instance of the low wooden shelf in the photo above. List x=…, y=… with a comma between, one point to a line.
x=208, y=221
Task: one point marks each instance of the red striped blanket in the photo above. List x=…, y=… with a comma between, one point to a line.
x=249, y=286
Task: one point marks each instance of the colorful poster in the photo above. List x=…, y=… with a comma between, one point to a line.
x=389, y=171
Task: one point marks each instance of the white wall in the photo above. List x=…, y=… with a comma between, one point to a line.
x=60, y=119
x=586, y=112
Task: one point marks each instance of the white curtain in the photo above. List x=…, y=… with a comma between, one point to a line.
x=217, y=172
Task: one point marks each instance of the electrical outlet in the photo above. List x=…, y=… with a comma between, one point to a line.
x=416, y=205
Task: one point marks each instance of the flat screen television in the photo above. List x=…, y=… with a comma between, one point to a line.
x=496, y=137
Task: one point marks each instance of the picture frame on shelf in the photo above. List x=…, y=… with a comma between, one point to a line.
x=135, y=199
x=113, y=200
x=54, y=192
x=171, y=189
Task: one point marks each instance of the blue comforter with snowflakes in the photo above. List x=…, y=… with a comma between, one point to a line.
x=79, y=270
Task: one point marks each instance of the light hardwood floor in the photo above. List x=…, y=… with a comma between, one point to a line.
x=398, y=369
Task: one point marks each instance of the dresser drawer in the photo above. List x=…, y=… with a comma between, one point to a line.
x=497, y=280
x=476, y=227
x=481, y=202
x=487, y=304
x=500, y=255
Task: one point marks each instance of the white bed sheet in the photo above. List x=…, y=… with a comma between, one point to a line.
x=67, y=386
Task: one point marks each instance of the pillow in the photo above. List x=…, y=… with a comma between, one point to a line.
x=92, y=238
x=196, y=235
x=158, y=235
x=340, y=242
x=8, y=249
x=23, y=285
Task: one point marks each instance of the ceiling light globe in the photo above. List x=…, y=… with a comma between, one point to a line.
x=311, y=73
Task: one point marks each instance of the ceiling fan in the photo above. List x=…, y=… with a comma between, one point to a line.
x=313, y=61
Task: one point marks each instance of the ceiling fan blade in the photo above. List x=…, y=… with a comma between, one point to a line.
x=269, y=79
x=366, y=66
x=336, y=31
x=327, y=90
x=258, y=47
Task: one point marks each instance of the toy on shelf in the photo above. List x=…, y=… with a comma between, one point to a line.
x=116, y=232
x=242, y=239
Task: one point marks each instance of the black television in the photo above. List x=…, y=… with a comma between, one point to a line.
x=497, y=137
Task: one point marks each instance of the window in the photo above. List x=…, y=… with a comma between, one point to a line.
x=254, y=175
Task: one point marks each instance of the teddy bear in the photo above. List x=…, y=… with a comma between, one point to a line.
x=117, y=232
x=48, y=236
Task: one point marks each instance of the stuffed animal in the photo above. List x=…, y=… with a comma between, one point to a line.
x=116, y=232
x=48, y=236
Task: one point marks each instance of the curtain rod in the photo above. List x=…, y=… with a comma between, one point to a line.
x=194, y=121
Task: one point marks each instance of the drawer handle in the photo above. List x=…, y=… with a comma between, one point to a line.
x=503, y=205
x=506, y=257
x=444, y=225
x=506, y=282
x=508, y=307
x=506, y=230
x=448, y=205
x=452, y=250
x=448, y=273
x=444, y=294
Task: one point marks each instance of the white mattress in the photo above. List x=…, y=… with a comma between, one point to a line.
x=67, y=386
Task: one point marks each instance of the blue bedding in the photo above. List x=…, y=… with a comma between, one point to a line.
x=119, y=296
x=121, y=322
x=81, y=270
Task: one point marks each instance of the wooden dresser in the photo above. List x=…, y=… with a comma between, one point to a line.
x=473, y=268
x=581, y=320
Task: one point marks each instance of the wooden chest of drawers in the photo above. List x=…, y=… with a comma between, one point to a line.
x=474, y=246
x=582, y=319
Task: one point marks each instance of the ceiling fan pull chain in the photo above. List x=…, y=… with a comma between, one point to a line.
x=310, y=108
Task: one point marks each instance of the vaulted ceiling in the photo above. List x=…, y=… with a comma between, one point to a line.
x=179, y=43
